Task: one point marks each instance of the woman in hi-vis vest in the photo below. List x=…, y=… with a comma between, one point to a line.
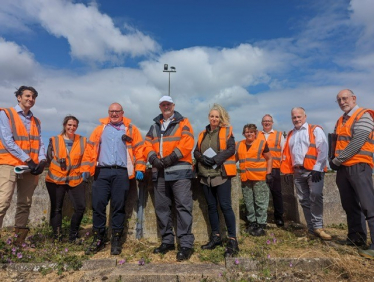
x=255, y=163
x=64, y=154
x=215, y=156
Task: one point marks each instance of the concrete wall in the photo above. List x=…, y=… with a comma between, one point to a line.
x=333, y=213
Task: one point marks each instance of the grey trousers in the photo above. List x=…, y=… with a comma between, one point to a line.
x=310, y=198
x=179, y=191
x=356, y=190
x=256, y=200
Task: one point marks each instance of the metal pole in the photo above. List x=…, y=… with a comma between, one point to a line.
x=169, y=83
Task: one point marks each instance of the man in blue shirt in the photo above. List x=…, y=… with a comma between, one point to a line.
x=20, y=144
x=113, y=155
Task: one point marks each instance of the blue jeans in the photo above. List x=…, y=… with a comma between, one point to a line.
x=310, y=197
x=113, y=184
x=221, y=193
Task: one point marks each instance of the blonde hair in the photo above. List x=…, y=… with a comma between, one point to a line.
x=224, y=118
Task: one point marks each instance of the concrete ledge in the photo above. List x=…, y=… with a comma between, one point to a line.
x=279, y=264
x=98, y=264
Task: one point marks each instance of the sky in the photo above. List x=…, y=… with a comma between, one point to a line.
x=252, y=57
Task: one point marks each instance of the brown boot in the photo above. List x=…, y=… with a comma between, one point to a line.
x=21, y=233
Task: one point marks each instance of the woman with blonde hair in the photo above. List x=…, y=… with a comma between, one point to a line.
x=215, y=156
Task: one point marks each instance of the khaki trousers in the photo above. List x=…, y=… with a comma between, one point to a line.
x=26, y=184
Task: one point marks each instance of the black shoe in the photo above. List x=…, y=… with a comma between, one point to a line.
x=184, y=253
x=75, y=239
x=352, y=243
x=97, y=242
x=164, y=248
x=259, y=230
x=232, y=248
x=116, y=244
x=215, y=240
x=279, y=222
x=251, y=226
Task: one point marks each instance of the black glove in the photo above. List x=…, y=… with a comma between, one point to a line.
x=288, y=179
x=316, y=176
x=208, y=161
x=39, y=168
x=170, y=159
x=31, y=164
x=333, y=166
x=156, y=162
x=269, y=179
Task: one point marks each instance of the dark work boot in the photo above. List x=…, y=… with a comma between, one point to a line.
x=116, y=244
x=57, y=234
x=20, y=234
x=232, y=248
x=215, y=240
x=259, y=230
x=251, y=226
x=97, y=241
x=74, y=238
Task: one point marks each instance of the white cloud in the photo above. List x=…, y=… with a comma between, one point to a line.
x=289, y=68
x=18, y=64
x=91, y=34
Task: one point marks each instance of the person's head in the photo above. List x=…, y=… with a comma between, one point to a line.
x=218, y=116
x=115, y=112
x=346, y=100
x=267, y=123
x=26, y=96
x=166, y=106
x=298, y=117
x=250, y=132
x=69, y=125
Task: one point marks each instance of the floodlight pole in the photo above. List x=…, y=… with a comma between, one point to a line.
x=166, y=69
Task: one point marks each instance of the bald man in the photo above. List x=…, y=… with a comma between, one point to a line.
x=354, y=165
x=305, y=156
x=109, y=157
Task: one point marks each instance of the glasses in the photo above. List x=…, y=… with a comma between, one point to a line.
x=115, y=112
x=343, y=99
x=267, y=121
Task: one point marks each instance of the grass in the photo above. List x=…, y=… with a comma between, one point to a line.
x=290, y=242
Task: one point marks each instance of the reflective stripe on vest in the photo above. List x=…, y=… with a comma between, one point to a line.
x=274, y=144
x=224, y=135
x=252, y=163
x=71, y=176
x=28, y=142
x=345, y=133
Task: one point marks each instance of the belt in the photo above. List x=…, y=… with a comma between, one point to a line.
x=113, y=167
x=298, y=167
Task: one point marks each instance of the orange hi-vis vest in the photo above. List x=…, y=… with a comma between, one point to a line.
x=252, y=163
x=345, y=133
x=178, y=137
x=135, y=148
x=72, y=175
x=274, y=144
x=224, y=135
x=29, y=143
x=310, y=157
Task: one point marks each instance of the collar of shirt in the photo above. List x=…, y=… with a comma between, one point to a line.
x=165, y=122
x=351, y=112
x=20, y=111
x=117, y=125
x=304, y=126
x=271, y=131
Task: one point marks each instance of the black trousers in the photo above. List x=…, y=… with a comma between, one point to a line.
x=276, y=192
x=77, y=196
x=221, y=194
x=109, y=184
x=356, y=190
